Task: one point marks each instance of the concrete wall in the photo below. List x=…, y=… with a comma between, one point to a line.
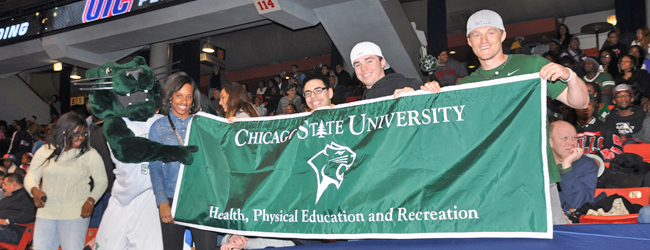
x=17, y=101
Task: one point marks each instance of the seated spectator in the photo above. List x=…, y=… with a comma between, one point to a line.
x=282, y=85
x=32, y=127
x=604, y=81
x=606, y=58
x=563, y=36
x=543, y=47
x=516, y=48
x=613, y=44
x=574, y=52
x=594, y=137
x=21, y=172
x=258, y=101
x=297, y=74
x=295, y=81
x=26, y=160
x=642, y=38
x=16, y=208
x=284, y=78
x=639, y=80
x=261, y=88
x=449, y=71
x=579, y=172
x=38, y=142
x=270, y=84
x=291, y=98
x=8, y=161
x=637, y=52
x=291, y=109
x=345, y=80
x=602, y=108
x=629, y=120
x=273, y=101
x=21, y=140
x=553, y=53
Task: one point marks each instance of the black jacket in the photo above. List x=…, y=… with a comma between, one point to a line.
x=388, y=84
x=18, y=208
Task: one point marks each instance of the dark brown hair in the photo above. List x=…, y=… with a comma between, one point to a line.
x=238, y=100
x=174, y=83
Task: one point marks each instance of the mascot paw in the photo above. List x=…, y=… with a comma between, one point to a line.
x=183, y=154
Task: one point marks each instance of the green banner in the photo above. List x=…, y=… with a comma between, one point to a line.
x=466, y=162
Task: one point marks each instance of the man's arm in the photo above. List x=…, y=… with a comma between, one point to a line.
x=578, y=182
x=575, y=95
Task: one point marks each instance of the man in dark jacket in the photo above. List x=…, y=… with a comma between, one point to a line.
x=369, y=65
x=579, y=173
x=629, y=120
x=17, y=207
x=21, y=140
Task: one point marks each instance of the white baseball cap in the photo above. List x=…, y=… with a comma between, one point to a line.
x=366, y=48
x=484, y=18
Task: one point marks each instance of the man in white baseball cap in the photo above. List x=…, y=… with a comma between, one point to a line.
x=369, y=65
x=485, y=34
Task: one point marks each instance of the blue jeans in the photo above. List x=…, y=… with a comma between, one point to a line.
x=644, y=214
x=69, y=234
x=8, y=235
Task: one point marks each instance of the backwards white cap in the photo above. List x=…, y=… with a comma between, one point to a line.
x=366, y=48
x=484, y=18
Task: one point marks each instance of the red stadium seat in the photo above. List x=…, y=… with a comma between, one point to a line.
x=642, y=150
x=25, y=240
x=638, y=195
x=90, y=235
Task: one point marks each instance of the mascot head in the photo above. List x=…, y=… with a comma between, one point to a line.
x=123, y=90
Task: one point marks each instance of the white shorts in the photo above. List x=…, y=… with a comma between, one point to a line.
x=134, y=226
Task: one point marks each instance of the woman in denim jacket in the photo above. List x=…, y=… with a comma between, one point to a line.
x=180, y=101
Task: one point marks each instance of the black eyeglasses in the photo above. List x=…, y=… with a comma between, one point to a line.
x=316, y=91
x=605, y=56
x=80, y=133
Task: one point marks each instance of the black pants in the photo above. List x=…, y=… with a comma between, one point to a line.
x=173, y=236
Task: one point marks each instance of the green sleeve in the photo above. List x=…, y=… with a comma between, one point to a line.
x=553, y=89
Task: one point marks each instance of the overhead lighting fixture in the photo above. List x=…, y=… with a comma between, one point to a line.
x=58, y=66
x=612, y=20
x=452, y=52
x=207, y=48
x=471, y=66
x=75, y=75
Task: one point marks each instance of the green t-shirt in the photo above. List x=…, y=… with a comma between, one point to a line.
x=521, y=65
x=602, y=79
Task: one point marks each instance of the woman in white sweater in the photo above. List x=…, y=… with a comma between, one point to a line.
x=65, y=201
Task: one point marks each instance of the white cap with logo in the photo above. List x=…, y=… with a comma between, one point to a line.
x=366, y=48
x=484, y=18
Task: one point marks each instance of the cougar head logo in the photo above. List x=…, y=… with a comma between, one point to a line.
x=330, y=165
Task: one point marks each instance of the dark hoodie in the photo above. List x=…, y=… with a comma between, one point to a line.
x=627, y=125
x=388, y=84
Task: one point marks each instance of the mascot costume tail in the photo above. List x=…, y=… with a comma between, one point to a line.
x=127, y=96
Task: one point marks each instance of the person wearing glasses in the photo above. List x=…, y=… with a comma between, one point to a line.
x=318, y=93
x=65, y=201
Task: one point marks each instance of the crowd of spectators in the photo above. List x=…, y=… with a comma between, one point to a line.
x=581, y=137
